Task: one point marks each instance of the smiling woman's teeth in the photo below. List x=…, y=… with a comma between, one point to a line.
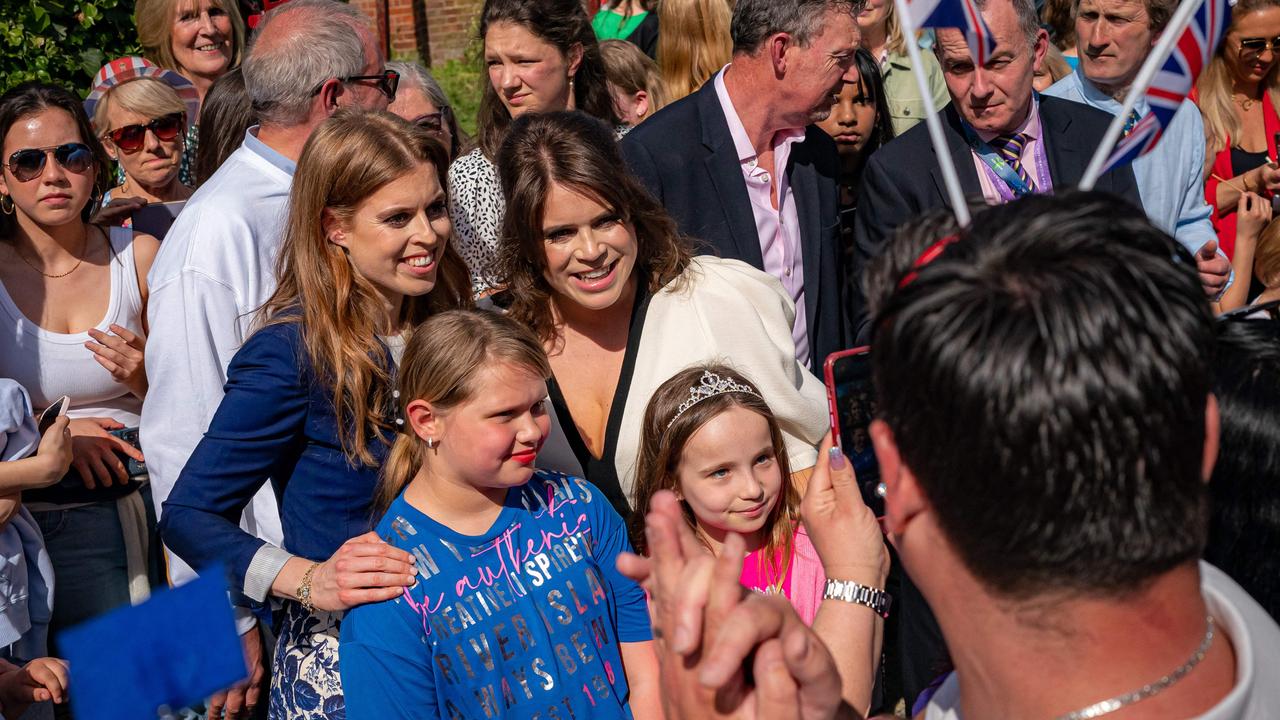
x=208, y=48
x=420, y=260
x=595, y=275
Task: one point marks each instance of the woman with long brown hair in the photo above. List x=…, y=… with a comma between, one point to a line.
x=1239, y=95
x=597, y=269
x=693, y=43
x=308, y=405
x=542, y=56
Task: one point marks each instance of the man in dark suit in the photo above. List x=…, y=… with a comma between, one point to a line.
x=741, y=167
x=1003, y=141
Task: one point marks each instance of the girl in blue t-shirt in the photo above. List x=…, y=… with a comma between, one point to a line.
x=518, y=610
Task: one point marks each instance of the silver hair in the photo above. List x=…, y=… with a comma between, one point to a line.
x=281, y=76
x=755, y=20
x=1028, y=18
x=417, y=76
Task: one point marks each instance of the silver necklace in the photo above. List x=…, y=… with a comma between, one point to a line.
x=1106, y=707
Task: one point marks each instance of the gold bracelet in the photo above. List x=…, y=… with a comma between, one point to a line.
x=304, y=589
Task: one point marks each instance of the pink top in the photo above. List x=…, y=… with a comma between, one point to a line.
x=778, y=228
x=803, y=582
x=1034, y=159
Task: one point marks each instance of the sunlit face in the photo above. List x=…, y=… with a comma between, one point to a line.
x=396, y=237
x=528, y=73
x=994, y=98
x=590, y=251
x=412, y=104
x=729, y=475
x=201, y=38
x=852, y=119
x=156, y=163
x=874, y=14
x=58, y=195
x=1252, y=65
x=815, y=74
x=1114, y=39
x=492, y=440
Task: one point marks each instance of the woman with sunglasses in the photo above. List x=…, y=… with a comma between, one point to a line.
x=73, y=312
x=1239, y=95
x=420, y=100
x=142, y=124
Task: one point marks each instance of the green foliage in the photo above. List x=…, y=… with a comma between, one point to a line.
x=63, y=42
x=463, y=80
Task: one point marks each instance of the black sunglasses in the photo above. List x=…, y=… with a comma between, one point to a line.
x=131, y=138
x=1257, y=45
x=28, y=163
x=387, y=82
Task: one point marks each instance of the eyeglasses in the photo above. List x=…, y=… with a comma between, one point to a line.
x=1257, y=45
x=387, y=82
x=131, y=138
x=28, y=163
x=433, y=122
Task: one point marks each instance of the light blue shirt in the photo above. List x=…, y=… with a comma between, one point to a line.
x=1170, y=177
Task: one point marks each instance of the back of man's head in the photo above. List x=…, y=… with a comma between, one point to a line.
x=755, y=20
x=1046, y=379
x=296, y=48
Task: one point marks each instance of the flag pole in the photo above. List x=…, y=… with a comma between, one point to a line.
x=940, y=147
x=1150, y=67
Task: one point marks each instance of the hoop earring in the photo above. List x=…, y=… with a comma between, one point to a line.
x=6, y=209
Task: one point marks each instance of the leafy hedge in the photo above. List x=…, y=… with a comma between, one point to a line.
x=63, y=41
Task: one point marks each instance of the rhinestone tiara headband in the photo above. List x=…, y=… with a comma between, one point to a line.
x=709, y=386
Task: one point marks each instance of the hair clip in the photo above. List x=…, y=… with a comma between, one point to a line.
x=930, y=254
x=709, y=386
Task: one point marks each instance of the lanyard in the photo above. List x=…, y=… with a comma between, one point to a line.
x=996, y=162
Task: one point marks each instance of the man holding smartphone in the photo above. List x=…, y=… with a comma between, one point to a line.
x=1114, y=38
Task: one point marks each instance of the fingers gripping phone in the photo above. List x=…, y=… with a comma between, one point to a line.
x=852, y=404
x=53, y=412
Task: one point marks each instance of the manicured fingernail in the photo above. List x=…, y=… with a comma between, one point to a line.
x=837, y=458
x=680, y=643
x=798, y=646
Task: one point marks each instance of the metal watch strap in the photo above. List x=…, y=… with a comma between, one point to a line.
x=852, y=592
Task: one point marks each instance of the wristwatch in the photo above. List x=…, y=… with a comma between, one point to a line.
x=852, y=592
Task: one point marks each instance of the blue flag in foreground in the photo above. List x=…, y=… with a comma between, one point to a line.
x=962, y=14
x=174, y=649
x=1171, y=85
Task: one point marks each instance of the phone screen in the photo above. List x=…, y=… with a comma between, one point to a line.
x=51, y=413
x=853, y=405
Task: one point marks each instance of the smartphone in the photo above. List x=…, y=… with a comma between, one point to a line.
x=133, y=467
x=852, y=403
x=155, y=218
x=51, y=413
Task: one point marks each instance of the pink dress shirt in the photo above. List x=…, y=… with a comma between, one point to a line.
x=778, y=228
x=1034, y=160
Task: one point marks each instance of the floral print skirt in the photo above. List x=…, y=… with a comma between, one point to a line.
x=305, y=684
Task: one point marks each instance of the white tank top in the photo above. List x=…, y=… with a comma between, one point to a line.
x=50, y=365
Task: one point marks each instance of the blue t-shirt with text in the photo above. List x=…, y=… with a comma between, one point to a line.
x=523, y=621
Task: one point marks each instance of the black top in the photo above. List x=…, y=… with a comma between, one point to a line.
x=603, y=472
x=1243, y=161
x=645, y=36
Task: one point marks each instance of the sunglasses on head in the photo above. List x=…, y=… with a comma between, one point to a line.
x=28, y=163
x=1257, y=45
x=387, y=82
x=131, y=138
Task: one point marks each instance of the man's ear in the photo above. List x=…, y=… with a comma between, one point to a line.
x=1212, y=431
x=328, y=95
x=777, y=46
x=903, y=499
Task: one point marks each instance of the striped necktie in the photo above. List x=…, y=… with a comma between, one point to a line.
x=1010, y=148
x=1129, y=124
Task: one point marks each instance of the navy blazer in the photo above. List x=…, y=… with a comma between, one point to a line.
x=685, y=156
x=903, y=180
x=276, y=422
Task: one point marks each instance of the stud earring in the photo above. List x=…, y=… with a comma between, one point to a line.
x=431, y=443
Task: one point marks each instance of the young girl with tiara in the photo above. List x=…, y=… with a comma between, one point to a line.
x=710, y=438
x=517, y=610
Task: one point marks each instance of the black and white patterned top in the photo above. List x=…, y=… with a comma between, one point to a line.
x=476, y=208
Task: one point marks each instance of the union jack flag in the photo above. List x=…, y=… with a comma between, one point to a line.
x=1173, y=82
x=962, y=14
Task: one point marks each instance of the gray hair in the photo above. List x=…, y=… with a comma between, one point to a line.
x=755, y=20
x=415, y=75
x=1028, y=18
x=296, y=48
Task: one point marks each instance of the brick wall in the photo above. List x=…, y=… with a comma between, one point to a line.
x=440, y=28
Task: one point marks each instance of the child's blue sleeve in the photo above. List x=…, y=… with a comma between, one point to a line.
x=633, y=609
x=385, y=665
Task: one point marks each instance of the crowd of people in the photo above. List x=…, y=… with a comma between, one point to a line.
x=528, y=422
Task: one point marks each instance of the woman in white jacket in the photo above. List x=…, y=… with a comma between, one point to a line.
x=597, y=269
